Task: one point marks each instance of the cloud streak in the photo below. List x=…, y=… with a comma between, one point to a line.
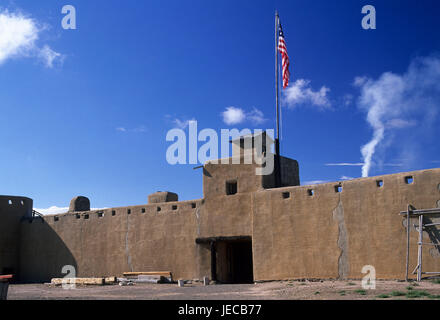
x=397, y=101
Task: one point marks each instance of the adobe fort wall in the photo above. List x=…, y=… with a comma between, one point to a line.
x=115, y=240
x=329, y=230
x=334, y=234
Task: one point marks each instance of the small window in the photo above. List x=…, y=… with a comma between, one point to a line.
x=56, y=218
x=286, y=195
x=113, y=212
x=143, y=210
x=338, y=189
x=100, y=214
x=379, y=183
x=193, y=205
x=409, y=180
x=231, y=187
x=10, y=202
x=310, y=192
x=158, y=209
x=174, y=207
x=86, y=216
x=128, y=211
x=22, y=202
x=78, y=216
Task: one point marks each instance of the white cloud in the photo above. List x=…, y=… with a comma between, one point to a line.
x=53, y=210
x=347, y=100
x=139, y=129
x=58, y=210
x=396, y=101
x=233, y=115
x=300, y=92
x=314, y=182
x=49, y=56
x=18, y=37
x=343, y=164
x=256, y=116
x=400, y=123
x=359, y=81
x=346, y=178
x=182, y=124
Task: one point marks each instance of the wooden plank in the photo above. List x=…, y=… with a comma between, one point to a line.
x=78, y=281
x=148, y=273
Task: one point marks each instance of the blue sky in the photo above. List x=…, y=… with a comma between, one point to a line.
x=86, y=111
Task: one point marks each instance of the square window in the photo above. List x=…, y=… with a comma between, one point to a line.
x=310, y=192
x=113, y=212
x=193, y=205
x=409, y=179
x=56, y=218
x=86, y=216
x=174, y=207
x=338, y=189
x=128, y=211
x=158, y=209
x=286, y=195
x=143, y=210
x=379, y=183
x=78, y=216
x=100, y=214
x=231, y=187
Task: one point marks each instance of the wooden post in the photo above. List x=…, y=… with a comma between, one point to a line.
x=420, y=247
x=407, y=242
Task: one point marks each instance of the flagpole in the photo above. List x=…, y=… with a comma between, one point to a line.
x=277, y=139
x=276, y=76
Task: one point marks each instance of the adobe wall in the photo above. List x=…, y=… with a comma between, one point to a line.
x=12, y=210
x=113, y=241
x=334, y=234
x=325, y=235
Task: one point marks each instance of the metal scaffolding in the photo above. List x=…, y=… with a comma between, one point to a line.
x=420, y=213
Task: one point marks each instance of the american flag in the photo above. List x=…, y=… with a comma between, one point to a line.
x=284, y=57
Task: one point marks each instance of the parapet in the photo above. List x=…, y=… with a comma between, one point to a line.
x=79, y=203
x=162, y=196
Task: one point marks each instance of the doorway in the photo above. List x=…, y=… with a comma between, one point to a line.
x=234, y=261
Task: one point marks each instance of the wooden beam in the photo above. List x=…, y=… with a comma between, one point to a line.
x=420, y=247
x=78, y=281
x=148, y=273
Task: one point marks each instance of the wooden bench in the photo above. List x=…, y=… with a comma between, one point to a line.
x=4, y=285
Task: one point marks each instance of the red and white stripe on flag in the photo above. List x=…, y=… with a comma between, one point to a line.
x=284, y=57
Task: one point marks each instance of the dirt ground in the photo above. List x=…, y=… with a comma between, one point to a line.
x=285, y=290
